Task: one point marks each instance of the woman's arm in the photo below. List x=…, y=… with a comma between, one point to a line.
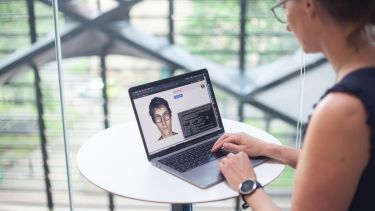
x=335, y=153
x=242, y=142
x=237, y=168
x=284, y=154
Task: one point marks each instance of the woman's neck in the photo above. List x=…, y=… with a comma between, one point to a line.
x=346, y=58
x=360, y=58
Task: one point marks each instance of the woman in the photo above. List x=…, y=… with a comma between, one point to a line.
x=335, y=170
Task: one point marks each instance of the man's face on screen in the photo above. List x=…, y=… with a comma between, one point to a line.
x=163, y=121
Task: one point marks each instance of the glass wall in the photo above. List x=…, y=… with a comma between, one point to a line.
x=31, y=172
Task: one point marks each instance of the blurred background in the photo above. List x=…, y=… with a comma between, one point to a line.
x=110, y=45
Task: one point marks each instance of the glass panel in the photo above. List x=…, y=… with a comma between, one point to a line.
x=30, y=124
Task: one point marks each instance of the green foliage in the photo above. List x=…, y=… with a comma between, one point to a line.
x=214, y=28
x=79, y=66
x=13, y=21
x=44, y=22
x=258, y=123
x=284, y=180
x=12, y=151
x=15, y=26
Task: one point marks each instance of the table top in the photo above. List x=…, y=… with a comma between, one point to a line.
x=115, y=160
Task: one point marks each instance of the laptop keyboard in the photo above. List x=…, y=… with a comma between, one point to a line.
x=193, y=157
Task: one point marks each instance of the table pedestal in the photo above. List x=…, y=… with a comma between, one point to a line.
x=182, y=207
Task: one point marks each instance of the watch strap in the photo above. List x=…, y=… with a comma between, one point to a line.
x=245, y=204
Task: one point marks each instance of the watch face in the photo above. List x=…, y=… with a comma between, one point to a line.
x=247, y=187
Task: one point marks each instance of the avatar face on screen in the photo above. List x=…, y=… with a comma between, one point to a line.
x=161, y=115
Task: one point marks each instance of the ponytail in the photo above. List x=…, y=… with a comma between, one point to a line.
x=361, y=13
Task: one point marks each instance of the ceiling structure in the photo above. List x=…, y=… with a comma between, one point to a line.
x=273, y=88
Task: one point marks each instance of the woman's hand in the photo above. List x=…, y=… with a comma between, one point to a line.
x=236, y=168
x=240, y=142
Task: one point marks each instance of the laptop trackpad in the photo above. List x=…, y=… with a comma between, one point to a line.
x=205, y=175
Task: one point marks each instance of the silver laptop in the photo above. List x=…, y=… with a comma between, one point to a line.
x=179, y=122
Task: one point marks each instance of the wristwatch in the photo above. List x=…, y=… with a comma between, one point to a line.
x=246, y=188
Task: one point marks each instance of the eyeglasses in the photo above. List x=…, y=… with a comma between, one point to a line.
x=166, y=116
x=279, y=11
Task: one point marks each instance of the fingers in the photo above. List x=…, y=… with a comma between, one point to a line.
x=223, y=139
x=220, y=140
x=236, y=168
x=232, y=147
x=219, y=143
x=239, y=163
x=226, y=159
x=236, y=164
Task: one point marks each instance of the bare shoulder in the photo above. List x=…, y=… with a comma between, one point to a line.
x=339, y=106
x=339, y=136
x=339, y=125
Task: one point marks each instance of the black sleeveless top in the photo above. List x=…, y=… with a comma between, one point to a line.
x=361, y=84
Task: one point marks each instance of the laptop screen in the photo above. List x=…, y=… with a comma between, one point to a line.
x=175, y=110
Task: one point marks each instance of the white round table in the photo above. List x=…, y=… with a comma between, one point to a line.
x=115, y=160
